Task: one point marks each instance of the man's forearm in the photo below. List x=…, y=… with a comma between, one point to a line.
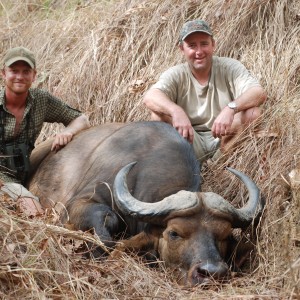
x=78, y=124
x=253, y=97
x=159, y=103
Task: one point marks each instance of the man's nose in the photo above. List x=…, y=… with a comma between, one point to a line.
x=198, y=50
x=20, y=75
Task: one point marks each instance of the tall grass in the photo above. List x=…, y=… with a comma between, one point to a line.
x=100, y=57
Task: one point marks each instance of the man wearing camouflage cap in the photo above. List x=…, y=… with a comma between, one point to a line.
x=23, y=111
x=207, y=99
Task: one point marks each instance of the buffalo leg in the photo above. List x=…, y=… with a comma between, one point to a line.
x=86, y=215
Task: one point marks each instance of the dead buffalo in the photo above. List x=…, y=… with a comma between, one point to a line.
x=142, y=180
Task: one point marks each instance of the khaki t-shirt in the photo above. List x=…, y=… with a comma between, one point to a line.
x=229, y=79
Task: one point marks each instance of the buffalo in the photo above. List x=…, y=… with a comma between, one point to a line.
x=141, y=182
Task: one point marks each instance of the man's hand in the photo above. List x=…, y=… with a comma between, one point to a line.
x=165, y=110
x=65, y=137
x=182, y=124
x=222, y=124
x=61, y=140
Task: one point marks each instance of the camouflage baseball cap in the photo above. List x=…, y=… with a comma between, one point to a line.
x=19, y=53
x=194, y=26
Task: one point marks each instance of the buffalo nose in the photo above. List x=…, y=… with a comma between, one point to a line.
x=202, y=271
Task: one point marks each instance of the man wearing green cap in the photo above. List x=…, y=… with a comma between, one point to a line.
x=208, y=99
x=23, y=110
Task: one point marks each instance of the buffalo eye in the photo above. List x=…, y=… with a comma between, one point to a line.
x=173, y=235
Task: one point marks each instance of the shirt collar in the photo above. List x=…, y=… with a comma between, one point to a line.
x=29, y=102
x=2, y=97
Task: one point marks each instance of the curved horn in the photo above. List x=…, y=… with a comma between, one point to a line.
x=242, y=217
x=150, y=212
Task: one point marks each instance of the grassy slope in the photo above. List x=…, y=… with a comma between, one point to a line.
x=100, y=56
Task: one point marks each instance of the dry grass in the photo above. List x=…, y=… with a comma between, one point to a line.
x=100, y=56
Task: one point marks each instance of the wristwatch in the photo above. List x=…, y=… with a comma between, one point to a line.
x=233, y=106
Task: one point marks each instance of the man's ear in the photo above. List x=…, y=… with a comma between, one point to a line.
x=34, y=76
x=180, y=46
x=213, y=42
x=3, y=73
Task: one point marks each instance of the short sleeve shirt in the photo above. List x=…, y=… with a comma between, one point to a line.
x=228, y=80
x=41, y=107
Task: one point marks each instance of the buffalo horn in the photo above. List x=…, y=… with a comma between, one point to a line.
x=241, y=217
x=150, y=212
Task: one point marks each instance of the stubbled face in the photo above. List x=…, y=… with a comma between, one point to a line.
x=198, y=49
x=196, y=246
x=18, y=77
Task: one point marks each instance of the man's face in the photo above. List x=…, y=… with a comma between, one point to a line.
x=198, y=49
x=18, y=77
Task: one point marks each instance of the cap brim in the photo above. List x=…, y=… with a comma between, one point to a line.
x=18, y=58
x=204, y=31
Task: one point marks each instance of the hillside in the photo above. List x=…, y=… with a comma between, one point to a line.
x=100, y=57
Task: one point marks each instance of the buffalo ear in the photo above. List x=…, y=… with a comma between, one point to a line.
x=239, y=249
x=146, y=242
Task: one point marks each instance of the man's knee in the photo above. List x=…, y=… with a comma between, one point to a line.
x=240, y=122
x=244, y=118
x=205, y=145
x=26, y=202
x=16, y=191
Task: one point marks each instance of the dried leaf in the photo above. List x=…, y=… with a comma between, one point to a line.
x=295, y=178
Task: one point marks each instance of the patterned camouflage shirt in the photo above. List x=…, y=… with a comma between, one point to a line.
x=41, y=107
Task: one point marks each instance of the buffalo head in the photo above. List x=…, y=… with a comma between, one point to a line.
x=189, y=230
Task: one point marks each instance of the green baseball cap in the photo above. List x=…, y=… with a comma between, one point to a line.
x=194, y=26
x=19, y=53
